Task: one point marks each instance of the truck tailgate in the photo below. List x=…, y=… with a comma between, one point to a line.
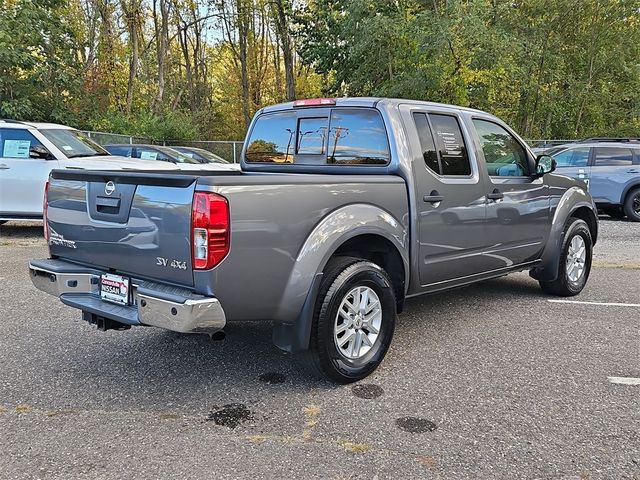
x=131, y=223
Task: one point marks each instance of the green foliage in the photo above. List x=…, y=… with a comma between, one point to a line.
x=552, y=68
x=174, y=125
x=39, y=73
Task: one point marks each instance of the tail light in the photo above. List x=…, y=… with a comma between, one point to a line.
x=45, y=208
x=210, y=224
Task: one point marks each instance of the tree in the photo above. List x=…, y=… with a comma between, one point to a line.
x=40, y=75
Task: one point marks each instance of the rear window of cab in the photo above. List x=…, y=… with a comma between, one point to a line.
x=330, y=136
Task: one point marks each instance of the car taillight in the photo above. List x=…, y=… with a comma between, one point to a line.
x=210, y=224
x=45, y=208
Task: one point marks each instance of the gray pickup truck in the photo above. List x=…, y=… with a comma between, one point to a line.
x=343, y=209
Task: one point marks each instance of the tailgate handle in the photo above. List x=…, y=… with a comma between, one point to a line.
x=107, y=202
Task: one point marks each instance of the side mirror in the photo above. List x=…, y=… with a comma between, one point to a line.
x=545, y=164
x=38, y=151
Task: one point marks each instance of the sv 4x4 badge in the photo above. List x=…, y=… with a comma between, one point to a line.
x=165, y=262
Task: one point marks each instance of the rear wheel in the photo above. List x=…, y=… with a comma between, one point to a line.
x=632, y=205
x=354, y=320
x=575, y=260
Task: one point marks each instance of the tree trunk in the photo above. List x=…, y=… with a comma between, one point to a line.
x=281, y=24
x=243, y=34
x=161, y=26
x=132, y=19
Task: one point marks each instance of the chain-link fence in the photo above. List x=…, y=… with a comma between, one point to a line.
x=548, y=142
x=104, y=138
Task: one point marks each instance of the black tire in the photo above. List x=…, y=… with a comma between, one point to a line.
x=632, y=205
x=341, y=276
x=614, y=212
x=564, y=286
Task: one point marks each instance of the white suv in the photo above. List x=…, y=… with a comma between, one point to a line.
x=30, y=150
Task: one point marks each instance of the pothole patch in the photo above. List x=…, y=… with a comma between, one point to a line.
x=230, y=415
x=367, y=391
x=415, y=425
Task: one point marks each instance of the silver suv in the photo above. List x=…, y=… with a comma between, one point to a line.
x=611, y=170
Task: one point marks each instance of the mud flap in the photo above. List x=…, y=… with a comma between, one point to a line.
x=294, y=337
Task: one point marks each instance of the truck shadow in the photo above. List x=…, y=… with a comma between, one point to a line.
x=157, y=367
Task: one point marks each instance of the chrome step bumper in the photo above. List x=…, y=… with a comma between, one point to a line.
x=153, y=304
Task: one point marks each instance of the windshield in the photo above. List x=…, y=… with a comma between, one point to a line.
x=178, y=156
x=207, y=155
x=73, y=143
x=554, y=150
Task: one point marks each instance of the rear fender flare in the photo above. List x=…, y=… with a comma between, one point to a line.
x=295, y=311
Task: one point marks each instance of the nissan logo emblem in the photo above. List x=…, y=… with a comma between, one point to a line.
x=109, y=188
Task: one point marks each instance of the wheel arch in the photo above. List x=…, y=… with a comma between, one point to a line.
x=361, y=230
x=381, y=251
x=635, y=184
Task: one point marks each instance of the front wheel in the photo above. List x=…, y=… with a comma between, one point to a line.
x=354, y=320
x=575, y=260
x=632, y=205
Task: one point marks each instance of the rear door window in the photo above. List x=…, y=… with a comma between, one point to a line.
x=452, y=151
x=613, y=157
x=344, y=136
x=427, y=144
x=443, y=147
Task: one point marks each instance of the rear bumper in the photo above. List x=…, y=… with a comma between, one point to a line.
x=152, y=303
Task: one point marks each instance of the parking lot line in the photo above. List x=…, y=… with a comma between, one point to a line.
x=624, y=380
x=603, y=304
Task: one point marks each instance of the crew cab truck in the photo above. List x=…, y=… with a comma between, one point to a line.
x=343, y=209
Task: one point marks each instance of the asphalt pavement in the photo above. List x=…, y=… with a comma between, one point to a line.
x=491, y=381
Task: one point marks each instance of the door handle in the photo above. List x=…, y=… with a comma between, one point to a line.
x=495, y=195
x=433, y=197
x=633, y=171
x=4, y=166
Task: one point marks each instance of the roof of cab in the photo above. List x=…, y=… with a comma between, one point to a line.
x=372, y=102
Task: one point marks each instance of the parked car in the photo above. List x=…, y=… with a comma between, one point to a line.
x=338, y=216
x=30, y=150
x=611, y=169
x=549, y=149
x=164, y=154
x=201, y=155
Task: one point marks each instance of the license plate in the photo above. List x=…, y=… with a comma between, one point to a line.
x=114, y=288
